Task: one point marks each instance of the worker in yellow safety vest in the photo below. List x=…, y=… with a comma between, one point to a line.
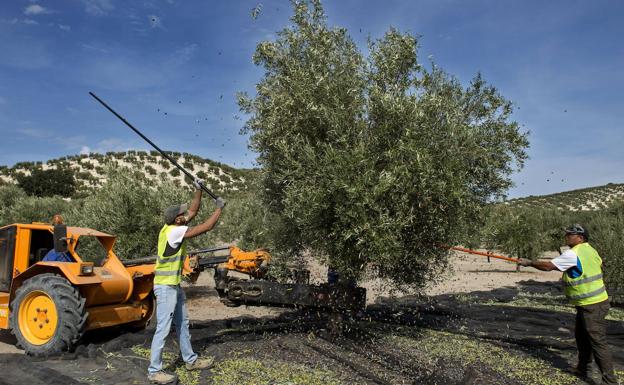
x=585, y=289
x=170, y=298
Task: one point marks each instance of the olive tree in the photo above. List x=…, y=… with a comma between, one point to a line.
x=529, y=231
x=373, y=160
x=124, y=206
x=131, y=207
x=18, y=207
x=524, y=232
x=47, y=183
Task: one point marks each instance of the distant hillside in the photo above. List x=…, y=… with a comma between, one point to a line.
x=586, y=199
x=89, y=170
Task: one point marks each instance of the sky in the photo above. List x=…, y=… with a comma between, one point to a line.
x=172, y=68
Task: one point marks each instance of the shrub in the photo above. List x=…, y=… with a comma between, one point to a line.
x=37, y=209
x=150, y=170
x=48, y=182
x=129, y=208
x=9, y=195
x=527, y=232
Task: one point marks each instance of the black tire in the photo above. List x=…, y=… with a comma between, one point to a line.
x=69, y=306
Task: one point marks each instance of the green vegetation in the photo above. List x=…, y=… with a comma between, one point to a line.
x=557, y=303
x=371, y=160
x=89, y=175
x=528, y=231
x=469, y=351
x=590, y=198
x=185, y=377
x=17, y=206
x=235, y=371
x=130, y=205
x=47, y=183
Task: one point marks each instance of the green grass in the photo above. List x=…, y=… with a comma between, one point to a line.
x=536, y=301
x=185, y=377
x=471, y=351
x=240, y=370
x=556, y=303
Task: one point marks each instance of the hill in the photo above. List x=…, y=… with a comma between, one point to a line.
x=90, y=170
x=586, y=199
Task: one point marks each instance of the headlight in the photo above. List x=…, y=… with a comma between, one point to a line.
x=86, y=268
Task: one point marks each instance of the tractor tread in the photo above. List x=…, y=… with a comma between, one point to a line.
x=71, y=311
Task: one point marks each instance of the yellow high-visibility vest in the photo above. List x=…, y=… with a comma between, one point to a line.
x=169, y=262
x=589, y=287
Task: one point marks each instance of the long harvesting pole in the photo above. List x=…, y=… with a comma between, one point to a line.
x=213, y=196
x=488, y=254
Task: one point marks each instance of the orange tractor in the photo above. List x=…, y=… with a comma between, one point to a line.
x=50, y=305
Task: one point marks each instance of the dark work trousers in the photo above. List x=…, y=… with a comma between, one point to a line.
x=591, y=340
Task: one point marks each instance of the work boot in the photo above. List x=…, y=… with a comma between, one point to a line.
x=162, y=378
x=580, y=373
x=200, y=363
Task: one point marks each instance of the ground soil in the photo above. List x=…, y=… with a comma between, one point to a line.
x=485, y=323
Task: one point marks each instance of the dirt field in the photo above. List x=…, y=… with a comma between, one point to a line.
x=485, y=324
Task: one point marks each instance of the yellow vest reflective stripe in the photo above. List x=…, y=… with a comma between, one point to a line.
x=168, y=269
x=589, y=287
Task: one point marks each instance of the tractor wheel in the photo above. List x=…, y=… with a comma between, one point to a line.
x=48, y=315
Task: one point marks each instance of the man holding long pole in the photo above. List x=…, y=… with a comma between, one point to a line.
x=583, y=286
x=170, y=298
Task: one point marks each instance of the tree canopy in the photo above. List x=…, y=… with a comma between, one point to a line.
x=47, y=183
x=373, y=160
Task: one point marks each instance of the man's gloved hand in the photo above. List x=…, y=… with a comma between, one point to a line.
x=198, y=183
x=524, y=262
x=220, y=203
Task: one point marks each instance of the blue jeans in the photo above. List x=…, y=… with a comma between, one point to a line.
x=170, y=306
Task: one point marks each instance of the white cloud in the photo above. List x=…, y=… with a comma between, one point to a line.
x=78, y=143
x=111, y=144
x=73, y=143
x=64, y=27
x=98, y=7
x=30, y=22
x=35, y=9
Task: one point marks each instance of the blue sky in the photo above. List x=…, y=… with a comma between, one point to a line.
x=172, y=68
